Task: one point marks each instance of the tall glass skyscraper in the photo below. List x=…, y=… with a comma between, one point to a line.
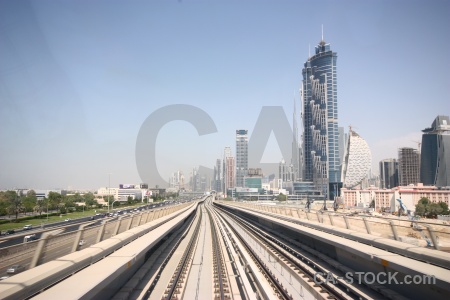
x=321, y=159
x=388, y=173
x=241, y=156
x=435, y=156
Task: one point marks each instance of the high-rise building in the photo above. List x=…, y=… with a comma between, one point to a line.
x=388, y=173
x=217, y=181
x=286, y=172
x=228, y=170
x=321, y=158
x=241, y=156
x=435, y=153
x=296, y=157
x=177, y=180
x=357, y=160
x=408, y=166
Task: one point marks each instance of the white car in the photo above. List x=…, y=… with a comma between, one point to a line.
x=81, y=243
x=15, y=269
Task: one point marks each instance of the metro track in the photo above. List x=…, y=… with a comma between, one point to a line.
x=212, y=253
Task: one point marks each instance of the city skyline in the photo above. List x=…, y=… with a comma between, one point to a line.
x=77, y=85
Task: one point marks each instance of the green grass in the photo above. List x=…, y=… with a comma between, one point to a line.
x=43, y=220
x=52, y=219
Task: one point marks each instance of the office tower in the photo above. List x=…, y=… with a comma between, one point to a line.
x=286, y=172
x=408, y=166
x=177, y=180
x=342, y=142
x=357, y=160
x=217, y=181
x=228, y=170
x=435, y=153
x=241, y=156
x=195, y=180
x=295, y=160
x=388, y=173
x=321, y=158
x=282, y=170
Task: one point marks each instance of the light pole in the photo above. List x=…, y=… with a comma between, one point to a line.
x=112, y=204
x=109, y=188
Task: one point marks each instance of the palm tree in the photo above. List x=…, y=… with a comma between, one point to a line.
x=15, y=205
x=40, y=206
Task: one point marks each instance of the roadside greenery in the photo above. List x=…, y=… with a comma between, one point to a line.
x=21, y=209
x=61, y=213
x=428, y=209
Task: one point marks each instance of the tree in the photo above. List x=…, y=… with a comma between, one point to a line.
x=425, y=201
x=29, y=202
x=89, y=199
x=40, y=206
x=14, y=203
x=54, y=199
x=426, y=208
x=444, y=207
x=3, y=203
x=434, y=209
x=281, y=197
x=130, y=200
x=420, y=209
x=70, y=201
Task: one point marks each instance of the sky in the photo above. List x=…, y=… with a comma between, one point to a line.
x=79, y=79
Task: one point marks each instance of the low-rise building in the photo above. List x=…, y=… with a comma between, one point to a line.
x=385, y=199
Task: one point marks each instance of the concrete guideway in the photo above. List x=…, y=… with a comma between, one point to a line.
x=215, y=251
x=359, y=257
x=198, y=283
x=32, y=281
x=429, y=255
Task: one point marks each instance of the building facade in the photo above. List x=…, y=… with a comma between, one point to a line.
x=241, y=156
x=408, y=166
x=296, y=151
x=385, y=199
x=217, y=181
x=388, y=173
x=357, y=160
x=229, y=168
x=435, y=153
x=176, y=180
x=321, y=158
x=286, y=172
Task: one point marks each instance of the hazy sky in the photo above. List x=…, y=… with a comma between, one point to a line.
x=79, y=78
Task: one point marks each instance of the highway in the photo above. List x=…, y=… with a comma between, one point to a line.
x=14, y=251
x=216, y=250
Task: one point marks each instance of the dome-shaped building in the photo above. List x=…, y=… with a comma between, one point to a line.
x=357, y=160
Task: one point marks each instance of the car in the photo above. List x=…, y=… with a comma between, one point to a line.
x=15, y=269
x=81, y=242
x=9, y=231
x=27, y=227
x=29, y=238
x=68, y=219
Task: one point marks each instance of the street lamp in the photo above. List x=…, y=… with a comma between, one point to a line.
x=112, y=204
x=109, y=188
